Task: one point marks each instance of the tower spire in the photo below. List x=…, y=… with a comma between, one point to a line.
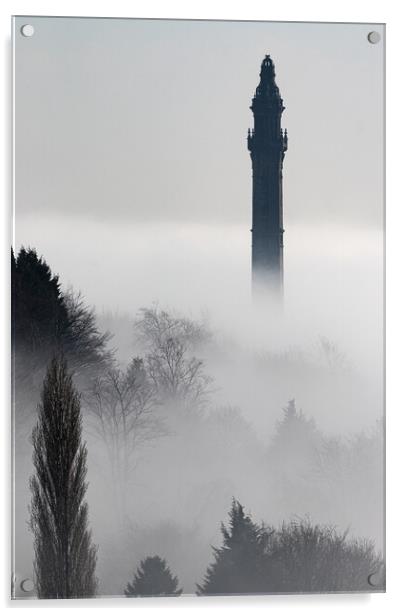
x=267, y=143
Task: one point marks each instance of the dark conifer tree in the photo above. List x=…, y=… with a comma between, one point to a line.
x=39, y=311
x=153, y=579
x=65, y=558
x=240, y=564
x=46, y=321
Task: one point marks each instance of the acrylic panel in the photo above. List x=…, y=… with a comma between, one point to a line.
x=197, y=307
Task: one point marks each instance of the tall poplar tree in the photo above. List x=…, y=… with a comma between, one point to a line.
x=64, y=555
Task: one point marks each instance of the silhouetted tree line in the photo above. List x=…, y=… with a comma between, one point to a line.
x=297, y=557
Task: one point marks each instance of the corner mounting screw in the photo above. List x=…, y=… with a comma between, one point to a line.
x=27, y=30
x=373, y=37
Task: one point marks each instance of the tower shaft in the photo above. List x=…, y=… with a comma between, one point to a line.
x=267, y=144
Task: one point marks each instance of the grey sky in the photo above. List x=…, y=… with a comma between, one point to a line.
x=139, y=120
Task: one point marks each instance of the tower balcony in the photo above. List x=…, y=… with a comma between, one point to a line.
x=284, y=139
x=250, y=139
x=264, y=144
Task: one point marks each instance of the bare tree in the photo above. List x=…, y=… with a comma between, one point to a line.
x=123, y=405
x=65, y=557
x=83, y=343
x=310, y=557
x=169, y=343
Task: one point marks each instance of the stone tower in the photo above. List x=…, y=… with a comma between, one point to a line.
x=267, y=144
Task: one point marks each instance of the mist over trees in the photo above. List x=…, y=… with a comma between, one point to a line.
x=168, y=410
x=123, y=407
x=169, y=342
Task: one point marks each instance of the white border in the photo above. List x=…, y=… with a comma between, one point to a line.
x=379, y=11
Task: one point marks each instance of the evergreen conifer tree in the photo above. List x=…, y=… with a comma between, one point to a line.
x=292, y=456
x=240, y=564
x=46, y=321
x=153, y=579
x=39, y=311
x=64, y=556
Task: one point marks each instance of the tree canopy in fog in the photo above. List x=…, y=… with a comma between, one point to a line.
x=295, y=441
x=170, y=343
